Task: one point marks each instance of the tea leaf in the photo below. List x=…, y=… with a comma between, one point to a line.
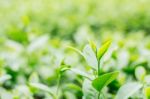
x=42, y=87
x=128, y=90
x=147, y=93
x=82, y=73
x=88, y=91
x=103, y=80
x=93, y=46
x=75, y=49
x=90, y=57
x=4, y=78
x=103, y=49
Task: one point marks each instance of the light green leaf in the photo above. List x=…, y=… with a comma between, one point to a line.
x=90, y=57
x=82, y=73
x=42, y=87
x=93, y=46
x=103, y=80
x=128, y=90
x=34, y=78
x=103, y=49
x=140, y=73
x=73, y=87
x=4, y=78
x=88, y=91
x=147, y=92
x=64, y=68
x=77, y=50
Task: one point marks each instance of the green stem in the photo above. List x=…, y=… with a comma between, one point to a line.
x=98, y=67
x=98, y=95
x=58, y=86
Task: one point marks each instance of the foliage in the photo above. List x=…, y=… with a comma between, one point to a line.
x=74, y=49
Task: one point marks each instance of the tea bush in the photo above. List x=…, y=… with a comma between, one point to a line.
x=74, y=49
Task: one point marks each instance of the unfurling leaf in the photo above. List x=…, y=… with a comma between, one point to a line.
x=103, y=49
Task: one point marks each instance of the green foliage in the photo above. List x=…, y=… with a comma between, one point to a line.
x=37, y=39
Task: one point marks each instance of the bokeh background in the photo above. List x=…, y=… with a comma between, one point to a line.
x=34, y=35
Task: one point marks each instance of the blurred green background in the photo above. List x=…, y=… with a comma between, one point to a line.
x=34, y=35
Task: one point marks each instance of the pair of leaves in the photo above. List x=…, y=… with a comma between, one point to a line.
x=103, y=80
x=90, y=53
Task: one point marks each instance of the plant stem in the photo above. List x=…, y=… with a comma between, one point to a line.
x=98, y=67
x=98, y=95
x=58, y=86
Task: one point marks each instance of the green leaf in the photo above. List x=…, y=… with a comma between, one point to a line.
x=72, y=87
x=103, y=80
x=64, y=68
x=128, y=90
x=147, y=92
x=103, y=49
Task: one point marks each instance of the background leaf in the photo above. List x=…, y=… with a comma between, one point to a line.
x=128, y=90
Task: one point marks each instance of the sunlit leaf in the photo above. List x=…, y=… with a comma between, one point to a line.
x=103, y=49
x=90, y=57
x=4, y=78
x=147, y=92
x=88, y=91
x=93, y=46
x=128, y=90
x=42, y=87
x=82, y=73
x=140, y=73
x=77, y=50
x=34, y=78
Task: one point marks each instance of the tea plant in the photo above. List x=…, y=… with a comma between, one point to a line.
x=97, y=80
